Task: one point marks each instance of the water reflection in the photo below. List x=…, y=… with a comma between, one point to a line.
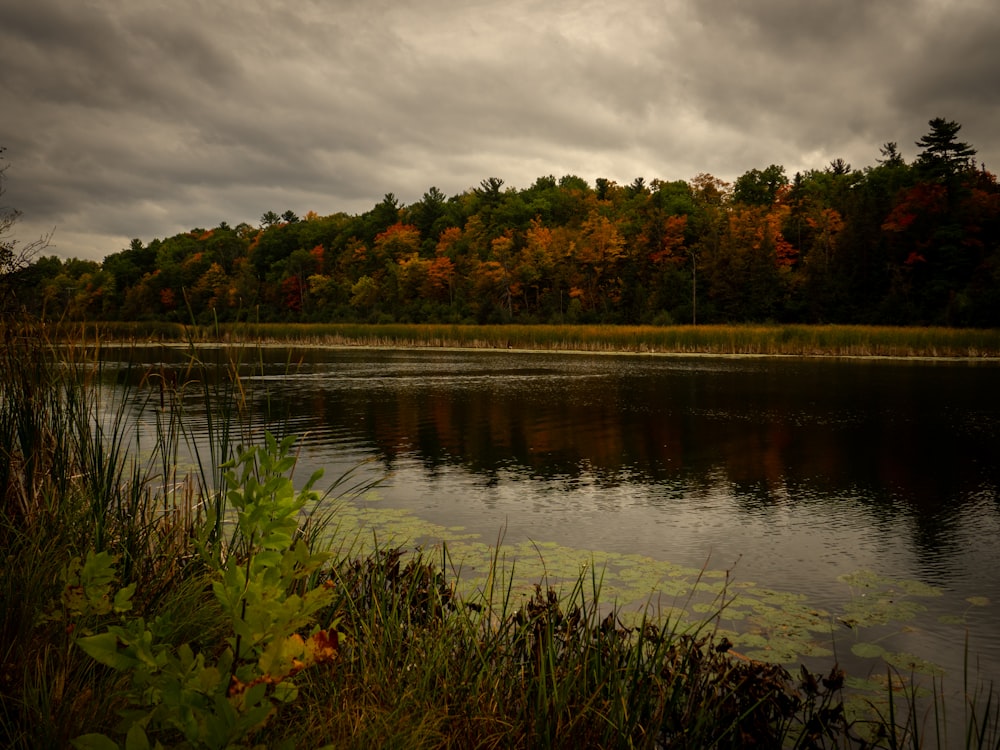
x=881, y=430
x=800, y=469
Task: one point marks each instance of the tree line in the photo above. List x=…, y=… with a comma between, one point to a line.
x=899, y=243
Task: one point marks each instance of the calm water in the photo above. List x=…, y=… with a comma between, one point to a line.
x=788, y=472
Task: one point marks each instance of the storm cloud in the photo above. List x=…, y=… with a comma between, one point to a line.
x=128, y=119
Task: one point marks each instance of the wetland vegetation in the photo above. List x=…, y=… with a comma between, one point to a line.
x=149, y=601
x=799, y=340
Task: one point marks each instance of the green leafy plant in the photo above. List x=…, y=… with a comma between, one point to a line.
x=262, y=579
x=87, y=590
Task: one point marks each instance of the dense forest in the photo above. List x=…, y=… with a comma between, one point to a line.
x=914, y=243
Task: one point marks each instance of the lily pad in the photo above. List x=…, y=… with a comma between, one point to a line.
x=773, y=626
x=978, y=601
x=917, y=588
x=731, y=613
x=912, y=663
x=787, y=652
x=868, y=579
x=751, y=640
x=862, y=579
x=880, y=610
x=866, y=684
x=867, y=650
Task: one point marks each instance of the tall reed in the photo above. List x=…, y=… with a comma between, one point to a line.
x=799, y=340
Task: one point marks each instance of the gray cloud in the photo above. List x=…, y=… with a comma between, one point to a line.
x=127, y=119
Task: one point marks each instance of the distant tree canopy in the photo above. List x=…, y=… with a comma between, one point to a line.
x=895, y=243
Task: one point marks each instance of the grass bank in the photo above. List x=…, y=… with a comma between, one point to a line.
x=223, y=607
x=799, y=340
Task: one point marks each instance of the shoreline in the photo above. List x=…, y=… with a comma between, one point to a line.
x=402, y=346
x=843, y=341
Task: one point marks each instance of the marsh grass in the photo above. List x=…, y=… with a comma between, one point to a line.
x=421, y=665
x=423, y=668
x=910, y=716
x=760, y=340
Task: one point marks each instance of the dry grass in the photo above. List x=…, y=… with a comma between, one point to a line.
x=793, y=340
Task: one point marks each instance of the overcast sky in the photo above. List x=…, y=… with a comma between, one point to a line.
x=142, y=118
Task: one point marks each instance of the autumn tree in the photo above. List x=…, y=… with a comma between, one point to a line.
x=502, y=257
x=382, y=216
x=598, y=251
x=396, y=242
x=935, y=230
x=709, y=223
x=537, y=261
x=296, y=270
x=452, y=263
x=891, y=243
x=440, y=279
x=941, y=242
x=747, y=273
x=224, y=246
x=820, y=287
x=410, y=274
x=212, y=292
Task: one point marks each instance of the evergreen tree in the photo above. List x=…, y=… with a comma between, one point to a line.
x=943, y=155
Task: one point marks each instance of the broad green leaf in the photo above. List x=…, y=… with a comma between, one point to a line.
x=99, y=569
x=94, y=742
x=276, y=660
x=209, y=680
x=286, y=691
x=123, y=599
x=316, y=476
x=255, y=695
x=136, y=738
x=103, y=647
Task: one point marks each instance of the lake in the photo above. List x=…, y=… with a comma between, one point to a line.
x=851, y=506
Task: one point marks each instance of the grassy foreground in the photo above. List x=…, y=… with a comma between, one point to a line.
x=223, y=608
x=802, y=340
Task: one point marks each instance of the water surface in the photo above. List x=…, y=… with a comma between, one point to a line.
x=790, y=473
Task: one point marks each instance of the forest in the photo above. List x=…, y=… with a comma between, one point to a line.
x=896, y=243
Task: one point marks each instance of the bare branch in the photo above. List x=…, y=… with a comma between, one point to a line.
x=14, y=258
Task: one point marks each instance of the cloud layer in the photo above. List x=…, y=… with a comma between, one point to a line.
x=142, y=119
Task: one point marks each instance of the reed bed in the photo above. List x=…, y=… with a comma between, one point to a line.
x=756, y=340
x=103, y=536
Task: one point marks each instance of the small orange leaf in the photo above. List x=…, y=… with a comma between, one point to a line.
x=322, y=646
